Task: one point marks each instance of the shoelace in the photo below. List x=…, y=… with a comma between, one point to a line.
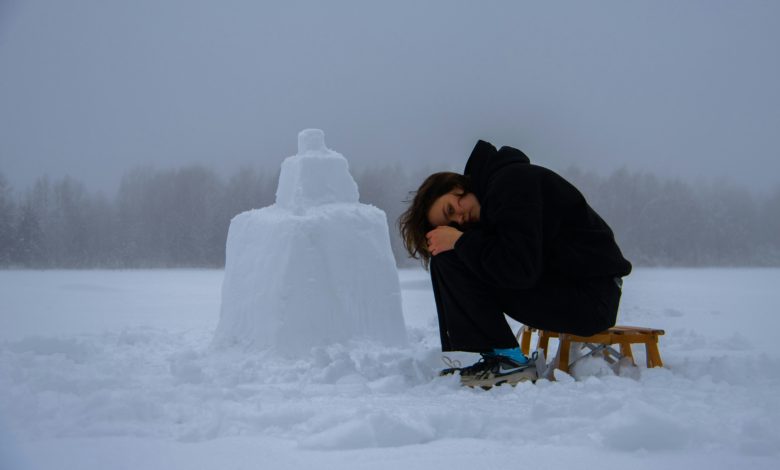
x=451, y=363
x=485, y=364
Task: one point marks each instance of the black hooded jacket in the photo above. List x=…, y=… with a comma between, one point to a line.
x=533, y=225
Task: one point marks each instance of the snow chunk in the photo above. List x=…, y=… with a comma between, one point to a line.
x=311, y=141
x=315, y=176
x=313, y=269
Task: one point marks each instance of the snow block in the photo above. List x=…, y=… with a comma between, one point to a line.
x=313, y=269
x=315, y=176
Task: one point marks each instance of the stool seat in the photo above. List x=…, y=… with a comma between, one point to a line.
x=622, y=335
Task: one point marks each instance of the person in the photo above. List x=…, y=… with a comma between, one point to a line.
x=510, y=237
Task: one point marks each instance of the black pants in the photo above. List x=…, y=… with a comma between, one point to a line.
x=471, y=312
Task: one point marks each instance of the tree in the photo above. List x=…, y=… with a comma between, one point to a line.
x=385, y=188
x=192, y=217
x=70, y=244
x=29, y=250
x=768, y=229
x=7, y=216
x=171, y=218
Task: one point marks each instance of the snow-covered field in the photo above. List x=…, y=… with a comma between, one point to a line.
x=113, y=370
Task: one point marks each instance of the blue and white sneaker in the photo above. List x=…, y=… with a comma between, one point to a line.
x=493, y=370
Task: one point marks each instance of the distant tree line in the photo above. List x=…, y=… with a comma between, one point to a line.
x=668, y=222
x=180, y=218
x=158, y=218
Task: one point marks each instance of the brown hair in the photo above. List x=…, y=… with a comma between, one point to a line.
x=414, y=224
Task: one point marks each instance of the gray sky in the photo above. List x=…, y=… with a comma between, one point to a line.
x=92, y=88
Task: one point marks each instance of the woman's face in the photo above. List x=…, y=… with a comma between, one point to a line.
x=454, y=207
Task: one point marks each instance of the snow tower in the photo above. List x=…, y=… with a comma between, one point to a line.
x=313, y=269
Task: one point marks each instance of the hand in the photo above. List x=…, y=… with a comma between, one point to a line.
x=442, y=239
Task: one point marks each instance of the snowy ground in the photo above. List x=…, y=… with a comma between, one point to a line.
x=113, y=370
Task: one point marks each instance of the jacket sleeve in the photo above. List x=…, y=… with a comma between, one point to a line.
x=506, y=251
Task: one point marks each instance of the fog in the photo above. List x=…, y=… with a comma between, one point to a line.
x=95, y=88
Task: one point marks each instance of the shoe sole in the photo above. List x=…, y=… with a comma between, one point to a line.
x=450, y=371
x=524, y=375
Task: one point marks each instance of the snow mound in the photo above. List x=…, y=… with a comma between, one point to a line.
x=313, y=269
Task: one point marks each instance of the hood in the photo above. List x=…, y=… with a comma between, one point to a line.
x=485, y=161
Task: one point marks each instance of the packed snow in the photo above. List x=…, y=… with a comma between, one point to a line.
x=313, y=269
x=115, y=369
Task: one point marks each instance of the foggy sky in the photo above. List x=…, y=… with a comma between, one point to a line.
x=93, y=88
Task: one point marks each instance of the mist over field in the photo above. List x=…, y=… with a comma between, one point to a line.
x=130, y=134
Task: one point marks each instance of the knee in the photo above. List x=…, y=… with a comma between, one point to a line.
x=449, y=267
x=446, y=261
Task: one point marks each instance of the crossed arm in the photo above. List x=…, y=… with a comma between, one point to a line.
x=442, y=239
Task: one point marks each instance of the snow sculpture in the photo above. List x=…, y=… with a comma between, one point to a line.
x=315, y=268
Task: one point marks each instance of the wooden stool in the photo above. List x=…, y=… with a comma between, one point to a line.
x=624, y=336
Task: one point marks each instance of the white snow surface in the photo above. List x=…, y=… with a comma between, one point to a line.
x=114, y=369
x=313, y=269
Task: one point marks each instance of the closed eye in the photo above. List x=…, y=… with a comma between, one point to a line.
x=446, y=212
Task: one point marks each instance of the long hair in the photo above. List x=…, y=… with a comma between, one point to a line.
x=413, y=223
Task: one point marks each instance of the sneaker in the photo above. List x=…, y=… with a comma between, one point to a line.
x=454, y=365
x=493, y=370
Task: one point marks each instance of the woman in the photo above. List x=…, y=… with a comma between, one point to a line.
x=511, y=237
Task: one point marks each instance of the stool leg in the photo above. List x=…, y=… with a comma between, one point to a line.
x=544, y=341
x=653, y=356
x=525, y=340
x=625, y=351
x=564, y=344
